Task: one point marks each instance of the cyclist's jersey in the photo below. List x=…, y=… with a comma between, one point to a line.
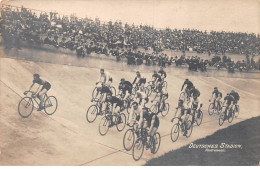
x=126, y=86
x=45, y=85
x=115, y=100
x=188, y=83
x=229, y=99
x=105, y=77
x=162, y=73
x=105, y=89
x=142, y=80
x=217, y=93
x=235, y=95
x=195, y=92
x=157, y=77
x=136, y=80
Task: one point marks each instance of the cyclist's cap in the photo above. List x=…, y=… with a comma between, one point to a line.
x=186, y=79
x=134, y=103
x=102, y=70
x=232, y=91
x=123, y=79
x=215, y=88
x=138, y=72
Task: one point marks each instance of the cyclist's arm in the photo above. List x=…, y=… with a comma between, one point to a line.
x=134, y=80
x=37, y=91
x=182, y=86
x=31, y=86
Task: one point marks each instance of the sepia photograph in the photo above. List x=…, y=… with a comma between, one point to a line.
x=129, y=83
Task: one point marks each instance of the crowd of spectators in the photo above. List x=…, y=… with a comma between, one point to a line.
x=86, y=35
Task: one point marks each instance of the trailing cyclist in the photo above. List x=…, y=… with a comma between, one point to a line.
x=42, y=89
x=236, y=96
x=229, y=100
x=216, y=95
x=189, y=85
x=126, y=88
x=104, y=80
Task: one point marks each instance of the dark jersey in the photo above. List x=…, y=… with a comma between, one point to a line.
x=195, y=92
x=115, y=100
x=217, y=93
x=125, y=86
x=105, y=89
x=149, y=120
x=229, y=99
x=235, y=95
x=39, y=81
x=188, y=83
x=156, y=76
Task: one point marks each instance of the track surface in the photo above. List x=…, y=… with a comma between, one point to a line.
x=66, y=138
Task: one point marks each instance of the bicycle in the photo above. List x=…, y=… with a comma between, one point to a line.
x=94, y=110
x=142, y=141
x=126, y=102
x=213, y=108
x=155, y=108
x=198, y=116
x=183, y=126
x=107, y=122
x=230, y=115
x=50, y=104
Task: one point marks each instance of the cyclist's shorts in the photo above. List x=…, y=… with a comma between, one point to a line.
x=46, y=86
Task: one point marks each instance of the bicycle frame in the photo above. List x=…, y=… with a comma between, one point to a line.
x=34, y=98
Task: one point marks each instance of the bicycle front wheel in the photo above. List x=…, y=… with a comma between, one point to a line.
x=91, y=114
x=50, y=105
x=165, y=110
x=156, y=143
x=104, y=125
x=129, y=139
x=138, y=149
x=211, y=109
x=231, y=116
x=237, y=109
x=175, y=131
x=199, y=117
x=25, y=107
x=189, y=128
x=121, y=121
x=221, y=119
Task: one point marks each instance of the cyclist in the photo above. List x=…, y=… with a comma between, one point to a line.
x=42, y=89
x=141, y=95
x=149, y=121
x=188, y=84
x=104, y=79
x=137, y=79
x=216, y=95
x=126, y=88
x=162, y=73
x=156, y=79
x=163, y=96
x=184, y=110
x=104, y=91
x=116, y=104
x=134, y=112
x=229, y=100
x=195, y=106
x=236, y=96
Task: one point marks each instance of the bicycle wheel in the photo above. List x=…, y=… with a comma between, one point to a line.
x=175, y=131
x=157, y=143
x=113, y=90
x=91, y=114
x=221, y=119
x=231, y=116
x=129, y=139
x=104, y=125
x=211, y=109
x=165, y=111
x=154, y=108
x=95, y=93
x=189, y=128
x=165, y=84
x=25, y=107
x=182, y=96
x=138, y=149
x=50, y=105
x=237, y=109
x=219, y=108
x=199, y=117
x=121, y=121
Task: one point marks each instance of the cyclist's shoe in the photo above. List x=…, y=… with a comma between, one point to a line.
x=40, y=108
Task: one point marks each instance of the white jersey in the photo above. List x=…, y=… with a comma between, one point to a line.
x=104, y=77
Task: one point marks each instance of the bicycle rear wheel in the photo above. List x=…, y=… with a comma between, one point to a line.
x=175, y=131
x=199, y=117
x=25, y=107
x=211, y=109
x=95, y=93
x=129, y=139
x=121, y=121
x=237, y=109
x=165, y=111
x=91, y=114
x=189, y=128
x=157, y=142
x=138, y=149
x=221, y=119
x=231, y=116
x=50, y=105
x=104, y=125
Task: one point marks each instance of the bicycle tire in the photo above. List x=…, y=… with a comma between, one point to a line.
x=94, y=93
x=104, y=122
x=230, y=118
x=165, y=84
x=94, y=113
x=210, y=109
x=198, y=122
x=221, y=119
x=190, y=128
x=138, y=145
x=165, y=112
x=131, y=136
x=121, y=120
x=50, y=101
x=157, y=140
x=27, y=101
x=237, y=110
x=175, y=129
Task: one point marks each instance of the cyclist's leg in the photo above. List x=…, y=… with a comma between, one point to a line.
x=116, y=113
x=41, y=96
